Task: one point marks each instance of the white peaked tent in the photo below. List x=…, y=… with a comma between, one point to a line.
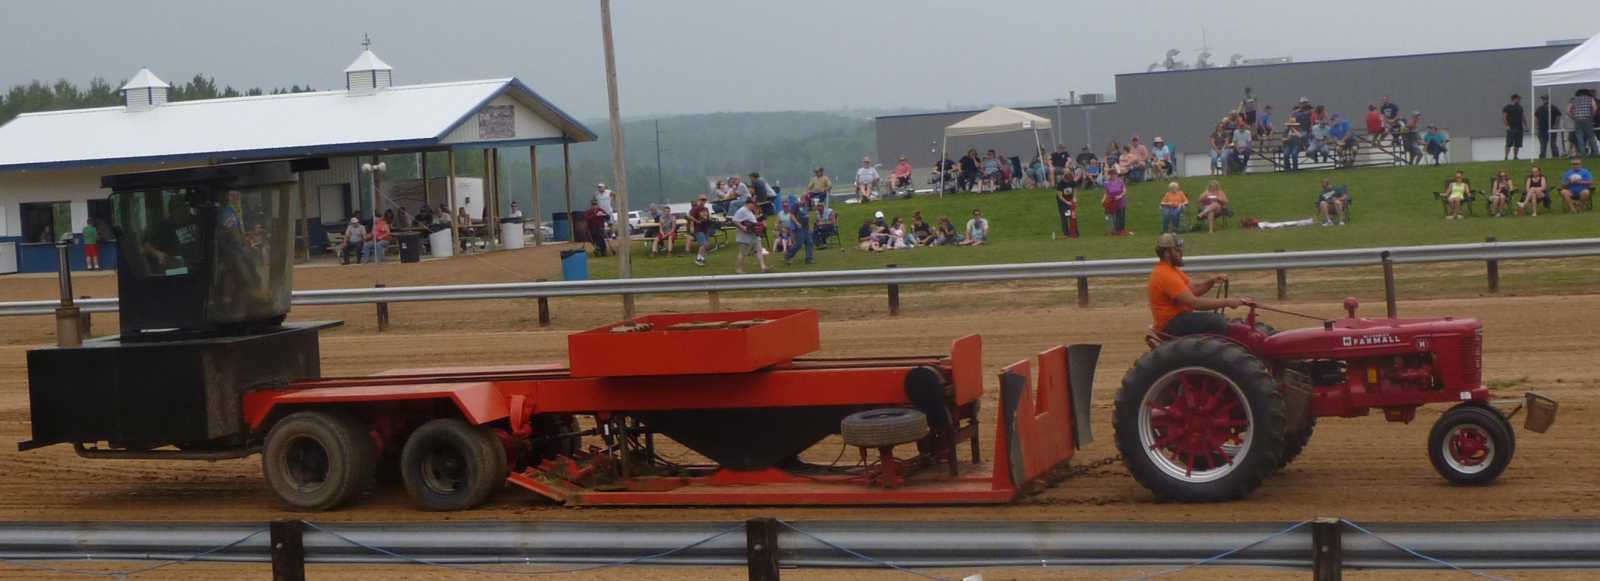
x=995, y=120
x=1579, y=65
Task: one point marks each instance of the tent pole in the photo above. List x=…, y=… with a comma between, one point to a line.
x=1038, y=150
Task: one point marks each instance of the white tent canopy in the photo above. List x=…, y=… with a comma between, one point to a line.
x=1579, y=65
x=995, y=120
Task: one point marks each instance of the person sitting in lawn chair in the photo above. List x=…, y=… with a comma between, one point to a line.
x=1577, y=183
x=1333, y=202
x=1213, y=203
x=1535, y=192
x=1500, y=194
x=1457, y=193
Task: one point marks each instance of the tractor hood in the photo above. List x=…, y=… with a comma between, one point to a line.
x=1357, y=338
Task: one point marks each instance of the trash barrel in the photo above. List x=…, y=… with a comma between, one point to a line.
x=410, y=246
x=574, y=265
x=511, y=233
x=560, y=226
x=441, y=244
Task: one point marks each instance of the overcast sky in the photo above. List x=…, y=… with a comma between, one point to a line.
x=693, y=56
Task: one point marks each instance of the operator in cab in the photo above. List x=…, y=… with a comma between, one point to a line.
x=1179, y=305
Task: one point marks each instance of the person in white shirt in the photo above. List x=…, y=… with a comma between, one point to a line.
x=977, y=230
x=605, y=197
x=867, y=180
x=515, y=211
x=748, y=236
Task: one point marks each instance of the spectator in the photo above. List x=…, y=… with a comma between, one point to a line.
x=1092, y=175
x=1163, y=158
x=1212, y=203
x=977, y=230
x=817, y=189
x=1535, y=192
x=515, y=211
x=750, y=227
x=764, y=195
x=1263, y=126
x=1546, y=116
x=870, y=236
x=1140, y=164
x=1067, y=209
x=724, y=197
x=1500, y=193
x=1456, y=193
x=666, y=229
x=945, y=233
x=1247, y=108
x=1038, y=173
x=1241, y=146
x=1058, y=160
x=91, y=245
x=1302, y=114
x=1013, y=170
x=898, y=238
x=1581, y=110
x=1085, y=156
x=921, y=231
x=377, y=241
x=1388, y=108
x=1577, y=182
x=989, y=179
x=1339, y=133
x=738, y=192
x=944, y=176
x=1516, y=124
x=424, y=216
x=800, y=223
x=405, y=218
x=902, y=174
x=355, y=237
x=1115, y=203
x=1113, y=154
x=1218, y=142
x=597, y=218
x=785, y=239
x=607, y=199
x=1409, y=137
x=1433, y=141
x=1374, y=124
x=1292, y=138
x=1172, y=204
x=442, y=217
x=700, y=227
x=1317, y=144
x=867, y=181
x=968, y=179
x=1333, y=202
x=827, y=225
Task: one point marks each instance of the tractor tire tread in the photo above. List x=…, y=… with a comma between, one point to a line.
x=881, y=427
x=1501, y=432
x=352, y=458
x=485, y=457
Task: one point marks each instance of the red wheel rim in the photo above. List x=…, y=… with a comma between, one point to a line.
x=1194, y=424
x=1468, y=448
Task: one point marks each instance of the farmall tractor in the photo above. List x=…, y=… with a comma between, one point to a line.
x=1207, y=418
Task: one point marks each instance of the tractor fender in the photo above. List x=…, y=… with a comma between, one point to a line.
x=478, y=402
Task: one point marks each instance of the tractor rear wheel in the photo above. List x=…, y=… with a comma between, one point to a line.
x=1199, y=419
x=448, y=464
x=1471, y=444
x=317, y=460
x=1295, y=442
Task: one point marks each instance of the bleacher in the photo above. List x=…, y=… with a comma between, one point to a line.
x=1267, y=154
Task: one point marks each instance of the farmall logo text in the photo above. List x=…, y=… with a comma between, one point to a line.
x=1370, y=340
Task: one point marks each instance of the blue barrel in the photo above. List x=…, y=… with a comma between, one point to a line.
x=574, y=265
x=560, y=226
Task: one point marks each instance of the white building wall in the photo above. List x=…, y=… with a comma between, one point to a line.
x=528, y=125
x=74, y=186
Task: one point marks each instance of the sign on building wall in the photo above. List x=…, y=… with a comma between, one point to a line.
x=497, y=122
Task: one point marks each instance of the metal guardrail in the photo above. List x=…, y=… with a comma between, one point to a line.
x=1564, y=544
x=1476, y=252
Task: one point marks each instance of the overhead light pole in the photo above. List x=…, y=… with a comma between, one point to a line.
x=619, y=171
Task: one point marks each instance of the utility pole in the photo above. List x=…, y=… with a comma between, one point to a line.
x=1056, y=131
x=619, y=171
x=661, y=193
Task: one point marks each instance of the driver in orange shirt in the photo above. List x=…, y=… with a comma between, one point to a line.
x=1178, y=305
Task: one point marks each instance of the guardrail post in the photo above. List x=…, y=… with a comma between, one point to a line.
x=1494, y=270
x=894, y=298
x=715, y=298
x=383, y=313
x=85, y=321
x=761, y=548
x=1388, y=284
x=1283, y=282
x=1327, y=557
x=544, y=307
x=1083, y=289
x=288, y=550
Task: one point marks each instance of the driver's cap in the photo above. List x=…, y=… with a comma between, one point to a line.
x=1169, y=240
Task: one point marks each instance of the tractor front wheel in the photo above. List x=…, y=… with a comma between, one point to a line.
x=1199, y=419
x=448, y=464
x=317, y=460
x=1471, y=444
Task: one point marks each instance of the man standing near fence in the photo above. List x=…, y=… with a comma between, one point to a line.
x=1581, y=110
x=1515, y=121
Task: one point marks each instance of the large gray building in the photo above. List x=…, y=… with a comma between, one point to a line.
x=1462, y=92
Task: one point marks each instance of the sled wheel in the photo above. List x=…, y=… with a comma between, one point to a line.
x=316, y=460
x=448, y=464
x=1471, y=444
x=883, y=427
x=1199, y=419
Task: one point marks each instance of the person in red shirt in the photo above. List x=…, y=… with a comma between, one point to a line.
x=377, y=241
x=597, y=218
x=1177, y=304
x=1374, y=122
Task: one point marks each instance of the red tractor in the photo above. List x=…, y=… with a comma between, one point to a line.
x=1207, y=418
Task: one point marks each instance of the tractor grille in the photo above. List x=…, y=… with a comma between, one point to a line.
x=1472, y=359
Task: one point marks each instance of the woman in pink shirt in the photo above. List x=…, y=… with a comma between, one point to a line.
x=902, y=174
x=377, y=241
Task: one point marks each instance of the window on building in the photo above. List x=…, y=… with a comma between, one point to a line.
x=46, y=221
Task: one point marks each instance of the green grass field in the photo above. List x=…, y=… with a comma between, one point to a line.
x=1391, y=207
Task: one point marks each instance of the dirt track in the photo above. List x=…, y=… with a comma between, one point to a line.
x=1362, y=469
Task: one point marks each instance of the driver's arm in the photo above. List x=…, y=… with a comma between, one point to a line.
x=1199, y=303
x=1204, y=287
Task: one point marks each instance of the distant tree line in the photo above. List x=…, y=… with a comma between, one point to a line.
x=63, y=94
